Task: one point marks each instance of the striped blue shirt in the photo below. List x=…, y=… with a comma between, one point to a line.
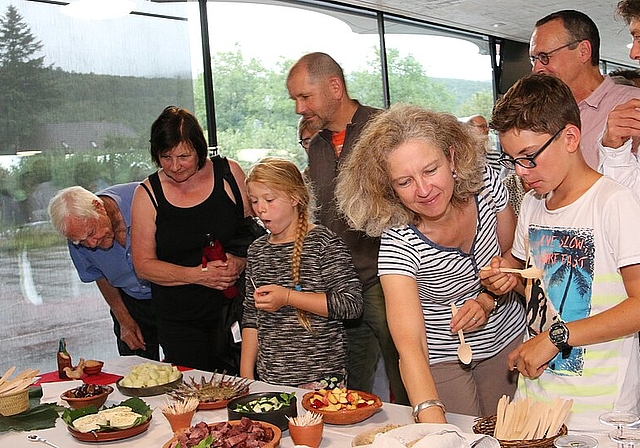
x=447, y=275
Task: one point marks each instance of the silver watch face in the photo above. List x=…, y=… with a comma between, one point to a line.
x=558, y=333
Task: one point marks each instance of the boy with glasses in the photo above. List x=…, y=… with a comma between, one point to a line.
x=583, y=313
x=566, y=44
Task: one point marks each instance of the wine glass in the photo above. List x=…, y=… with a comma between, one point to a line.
x=575, y=441
x=621, y=420
x=629, y=439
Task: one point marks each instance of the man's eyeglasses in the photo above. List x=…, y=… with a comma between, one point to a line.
x=543, y=57
x=304, y=142
x=528, y=161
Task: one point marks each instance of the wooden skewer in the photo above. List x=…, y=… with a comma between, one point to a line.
x=19, y=382
x=7, y=374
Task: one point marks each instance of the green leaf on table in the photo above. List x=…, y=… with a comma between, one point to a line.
x=41, y=416
x=136, y=404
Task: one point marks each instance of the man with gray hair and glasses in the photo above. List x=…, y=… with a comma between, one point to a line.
x=566, y=44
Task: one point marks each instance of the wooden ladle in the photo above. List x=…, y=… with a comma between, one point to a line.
x=464, y=350
x=524, y=273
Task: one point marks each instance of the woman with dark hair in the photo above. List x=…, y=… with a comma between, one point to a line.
x=175, y=212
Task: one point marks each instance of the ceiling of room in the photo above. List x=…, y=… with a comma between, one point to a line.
x=512, y=19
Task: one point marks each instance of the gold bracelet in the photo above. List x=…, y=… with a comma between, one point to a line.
x=288, y=294
x=417, y=409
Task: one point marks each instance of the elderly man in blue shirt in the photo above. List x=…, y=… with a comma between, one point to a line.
x=97, y=227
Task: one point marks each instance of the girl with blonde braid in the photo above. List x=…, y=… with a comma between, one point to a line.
x=301, y=285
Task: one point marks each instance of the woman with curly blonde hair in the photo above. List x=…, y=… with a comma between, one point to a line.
x=418, y=178
x=302, y=285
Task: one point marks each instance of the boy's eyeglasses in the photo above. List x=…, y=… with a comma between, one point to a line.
x=544, y=56
x=528, y=161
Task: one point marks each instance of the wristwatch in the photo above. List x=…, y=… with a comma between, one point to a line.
x=559, y=335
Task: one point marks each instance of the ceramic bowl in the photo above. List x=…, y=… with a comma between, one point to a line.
x=92, y=367
x=95, y=400
x=345, y=416
x=277, y=418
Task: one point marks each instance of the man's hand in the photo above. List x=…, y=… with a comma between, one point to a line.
x=623, y=123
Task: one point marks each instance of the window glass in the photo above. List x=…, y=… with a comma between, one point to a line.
x=422, y=70
x=77, y=98
x=250, y=61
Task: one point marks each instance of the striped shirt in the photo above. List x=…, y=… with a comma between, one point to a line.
x=287, y=353
x=447, y=275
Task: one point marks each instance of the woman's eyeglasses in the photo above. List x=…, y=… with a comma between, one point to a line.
x=528, y=161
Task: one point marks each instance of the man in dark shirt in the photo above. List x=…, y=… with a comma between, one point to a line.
x=316, y=83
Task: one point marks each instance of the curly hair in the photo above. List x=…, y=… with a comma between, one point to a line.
x=628, y=10
x=284, y=176
x=364, y=192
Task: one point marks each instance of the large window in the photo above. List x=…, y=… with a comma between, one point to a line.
x=78, y=96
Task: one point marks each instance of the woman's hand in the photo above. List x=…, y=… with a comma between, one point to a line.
x=495, y=281
x=219, y=274
x=270, y=298
x=470, y=316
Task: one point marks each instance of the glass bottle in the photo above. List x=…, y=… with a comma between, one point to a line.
x=64, y=359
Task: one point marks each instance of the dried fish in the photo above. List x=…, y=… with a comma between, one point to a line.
x=217, y=388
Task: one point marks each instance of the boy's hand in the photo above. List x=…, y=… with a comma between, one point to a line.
x=496, y=281
x=532, y=356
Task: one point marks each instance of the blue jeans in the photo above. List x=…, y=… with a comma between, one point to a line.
x=368, y=337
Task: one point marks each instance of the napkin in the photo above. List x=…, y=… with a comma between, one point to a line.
x=433, y=435
x=102, y=378
x=51, y=391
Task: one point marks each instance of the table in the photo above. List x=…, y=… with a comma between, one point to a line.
x=159, y=432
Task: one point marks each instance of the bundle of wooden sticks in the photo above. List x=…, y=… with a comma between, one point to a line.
x=530, y=420
x=18, y=383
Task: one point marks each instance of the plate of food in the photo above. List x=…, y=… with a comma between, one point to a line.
x=149, y=379
x=230, y=434
x=121, y=421
x=341, y=406
x=214, y=393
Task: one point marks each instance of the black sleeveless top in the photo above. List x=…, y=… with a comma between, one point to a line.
x=180, y=237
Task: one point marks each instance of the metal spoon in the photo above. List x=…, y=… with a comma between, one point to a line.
x=464, y=350
x=524, y=273
x=37, y=438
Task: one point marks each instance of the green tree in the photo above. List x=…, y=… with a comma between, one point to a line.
x=25, y=83
x=480, y=103
x=407, y=80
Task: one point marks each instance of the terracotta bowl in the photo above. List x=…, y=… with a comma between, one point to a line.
x=310, y=436
x=92, y=367
x=345, y=416
x=274, y=443
x=95, y=400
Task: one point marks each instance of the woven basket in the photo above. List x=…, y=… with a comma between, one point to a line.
x=14, y=403
x=487, y=425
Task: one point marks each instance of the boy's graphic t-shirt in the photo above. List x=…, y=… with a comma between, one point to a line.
x=580, y=249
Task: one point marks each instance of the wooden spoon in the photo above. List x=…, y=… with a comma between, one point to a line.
x=524, y=273
x=464, y=350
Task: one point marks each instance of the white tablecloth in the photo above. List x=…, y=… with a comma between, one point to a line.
x=159, y=432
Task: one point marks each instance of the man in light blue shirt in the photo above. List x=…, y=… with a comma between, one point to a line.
x=97, y=227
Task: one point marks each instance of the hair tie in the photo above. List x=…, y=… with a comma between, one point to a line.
x=298, y=288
